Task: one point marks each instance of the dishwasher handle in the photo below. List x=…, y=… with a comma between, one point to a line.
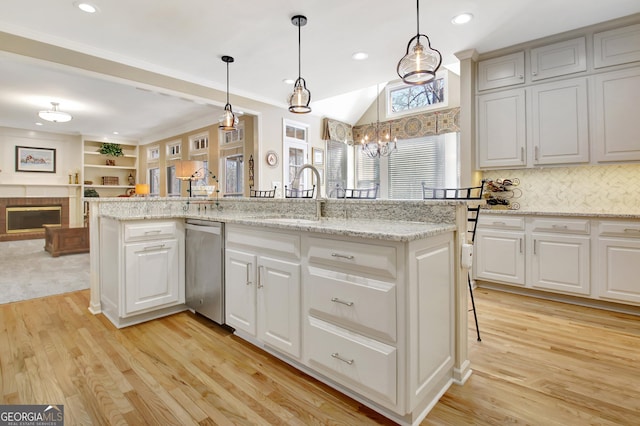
x=214, y=228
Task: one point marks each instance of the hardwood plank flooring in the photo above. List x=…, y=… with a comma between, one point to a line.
x=539, y=363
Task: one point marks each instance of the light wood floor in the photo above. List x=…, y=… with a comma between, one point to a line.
x=539, y=363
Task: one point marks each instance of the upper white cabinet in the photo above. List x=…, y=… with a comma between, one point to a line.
x=616, y=115
x=560, y=122
x=557, y=59
x=501, y=72
x=618, y=46
x=501, y=129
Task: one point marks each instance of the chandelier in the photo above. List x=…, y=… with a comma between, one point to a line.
x=55, y=114
x=420, y=63
x=381, y=144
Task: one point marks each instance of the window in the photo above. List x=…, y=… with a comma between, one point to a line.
x=337, y=171
x=407, y=98
x=154, y=181
x=234, y=174
x=174, y=149
x=174, y=185
x=199, y=142
x=433, y=160
x=295, y=152
x=153, y=153
x=234, y=136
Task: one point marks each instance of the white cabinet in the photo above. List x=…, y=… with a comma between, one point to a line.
x=558, y=59
x=617, y=46
x=142, y=276
x=504, y=71
x=500, y=249
x=152, y=275
x=560, y=122
x=616, y=120
x=262, y=286
x=618, y=261
x=378, y=316
x=559, y=256
x=502, y=129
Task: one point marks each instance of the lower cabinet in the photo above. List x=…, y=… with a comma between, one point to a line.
x=262, y=285
x=372, y=318
x=141, y=269
x=500, y=249
x=619, y=261
x=593, y=258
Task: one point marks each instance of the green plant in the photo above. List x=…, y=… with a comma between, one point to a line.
x=111, y=149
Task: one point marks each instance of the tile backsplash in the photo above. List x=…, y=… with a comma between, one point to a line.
x=581, y=189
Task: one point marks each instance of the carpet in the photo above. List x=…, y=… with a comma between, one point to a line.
x=29, y=272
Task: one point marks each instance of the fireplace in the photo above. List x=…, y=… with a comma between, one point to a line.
x=23, y=218
x=30, y=219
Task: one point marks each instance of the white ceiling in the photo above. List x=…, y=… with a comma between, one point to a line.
x=185, y=39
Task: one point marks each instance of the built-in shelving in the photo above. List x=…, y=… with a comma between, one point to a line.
x=95, y=168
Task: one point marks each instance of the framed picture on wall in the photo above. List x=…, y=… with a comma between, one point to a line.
x=35, y=159
x=318, y=156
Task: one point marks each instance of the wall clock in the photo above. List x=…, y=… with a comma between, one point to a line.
x=272, y=158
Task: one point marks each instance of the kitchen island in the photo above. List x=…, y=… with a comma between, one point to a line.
x=367, y=297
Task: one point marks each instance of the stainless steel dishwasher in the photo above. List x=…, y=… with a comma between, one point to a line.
x=204, y=254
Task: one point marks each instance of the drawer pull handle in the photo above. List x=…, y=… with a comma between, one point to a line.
x=249, y=265
x=633, y=230
x=158, y=247
x=559, y=226
x=155, y=231
x=343, y=256
x=337, y=356
x=260, y=276
x=335, y=299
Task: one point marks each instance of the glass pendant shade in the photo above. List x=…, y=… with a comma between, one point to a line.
x=301, y=96
x=421, y=61
x=228, y=120
x=54, y=114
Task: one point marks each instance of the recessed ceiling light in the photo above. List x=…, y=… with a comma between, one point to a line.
x=462, y=18
x=288, y=81
x=359, y=56
x=86, y=7
x=116, y=133
x=38, y=124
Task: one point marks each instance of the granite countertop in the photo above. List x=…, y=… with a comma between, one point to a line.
x=378, y=229
x=389, y=230
x=595, y=215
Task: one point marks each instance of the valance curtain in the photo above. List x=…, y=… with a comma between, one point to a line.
x=334, y=130
x=415, y=126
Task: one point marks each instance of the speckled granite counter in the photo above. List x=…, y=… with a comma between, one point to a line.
x=393, y=220
x=591, y=215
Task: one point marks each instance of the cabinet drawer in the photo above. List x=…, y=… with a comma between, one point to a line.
x=364, y=258
x=500, y=222
x=148, y=230
x=363, y=364
x=570, y=226
x=620, y=229
x=355, y=302
x=281, y=243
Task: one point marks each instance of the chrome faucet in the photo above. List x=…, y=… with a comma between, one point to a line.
x=296, y=180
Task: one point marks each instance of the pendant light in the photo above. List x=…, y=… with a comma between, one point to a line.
x=228, y=121
x=301, y=96
x=420, y=63
x=54, y=114
x=380, y=146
